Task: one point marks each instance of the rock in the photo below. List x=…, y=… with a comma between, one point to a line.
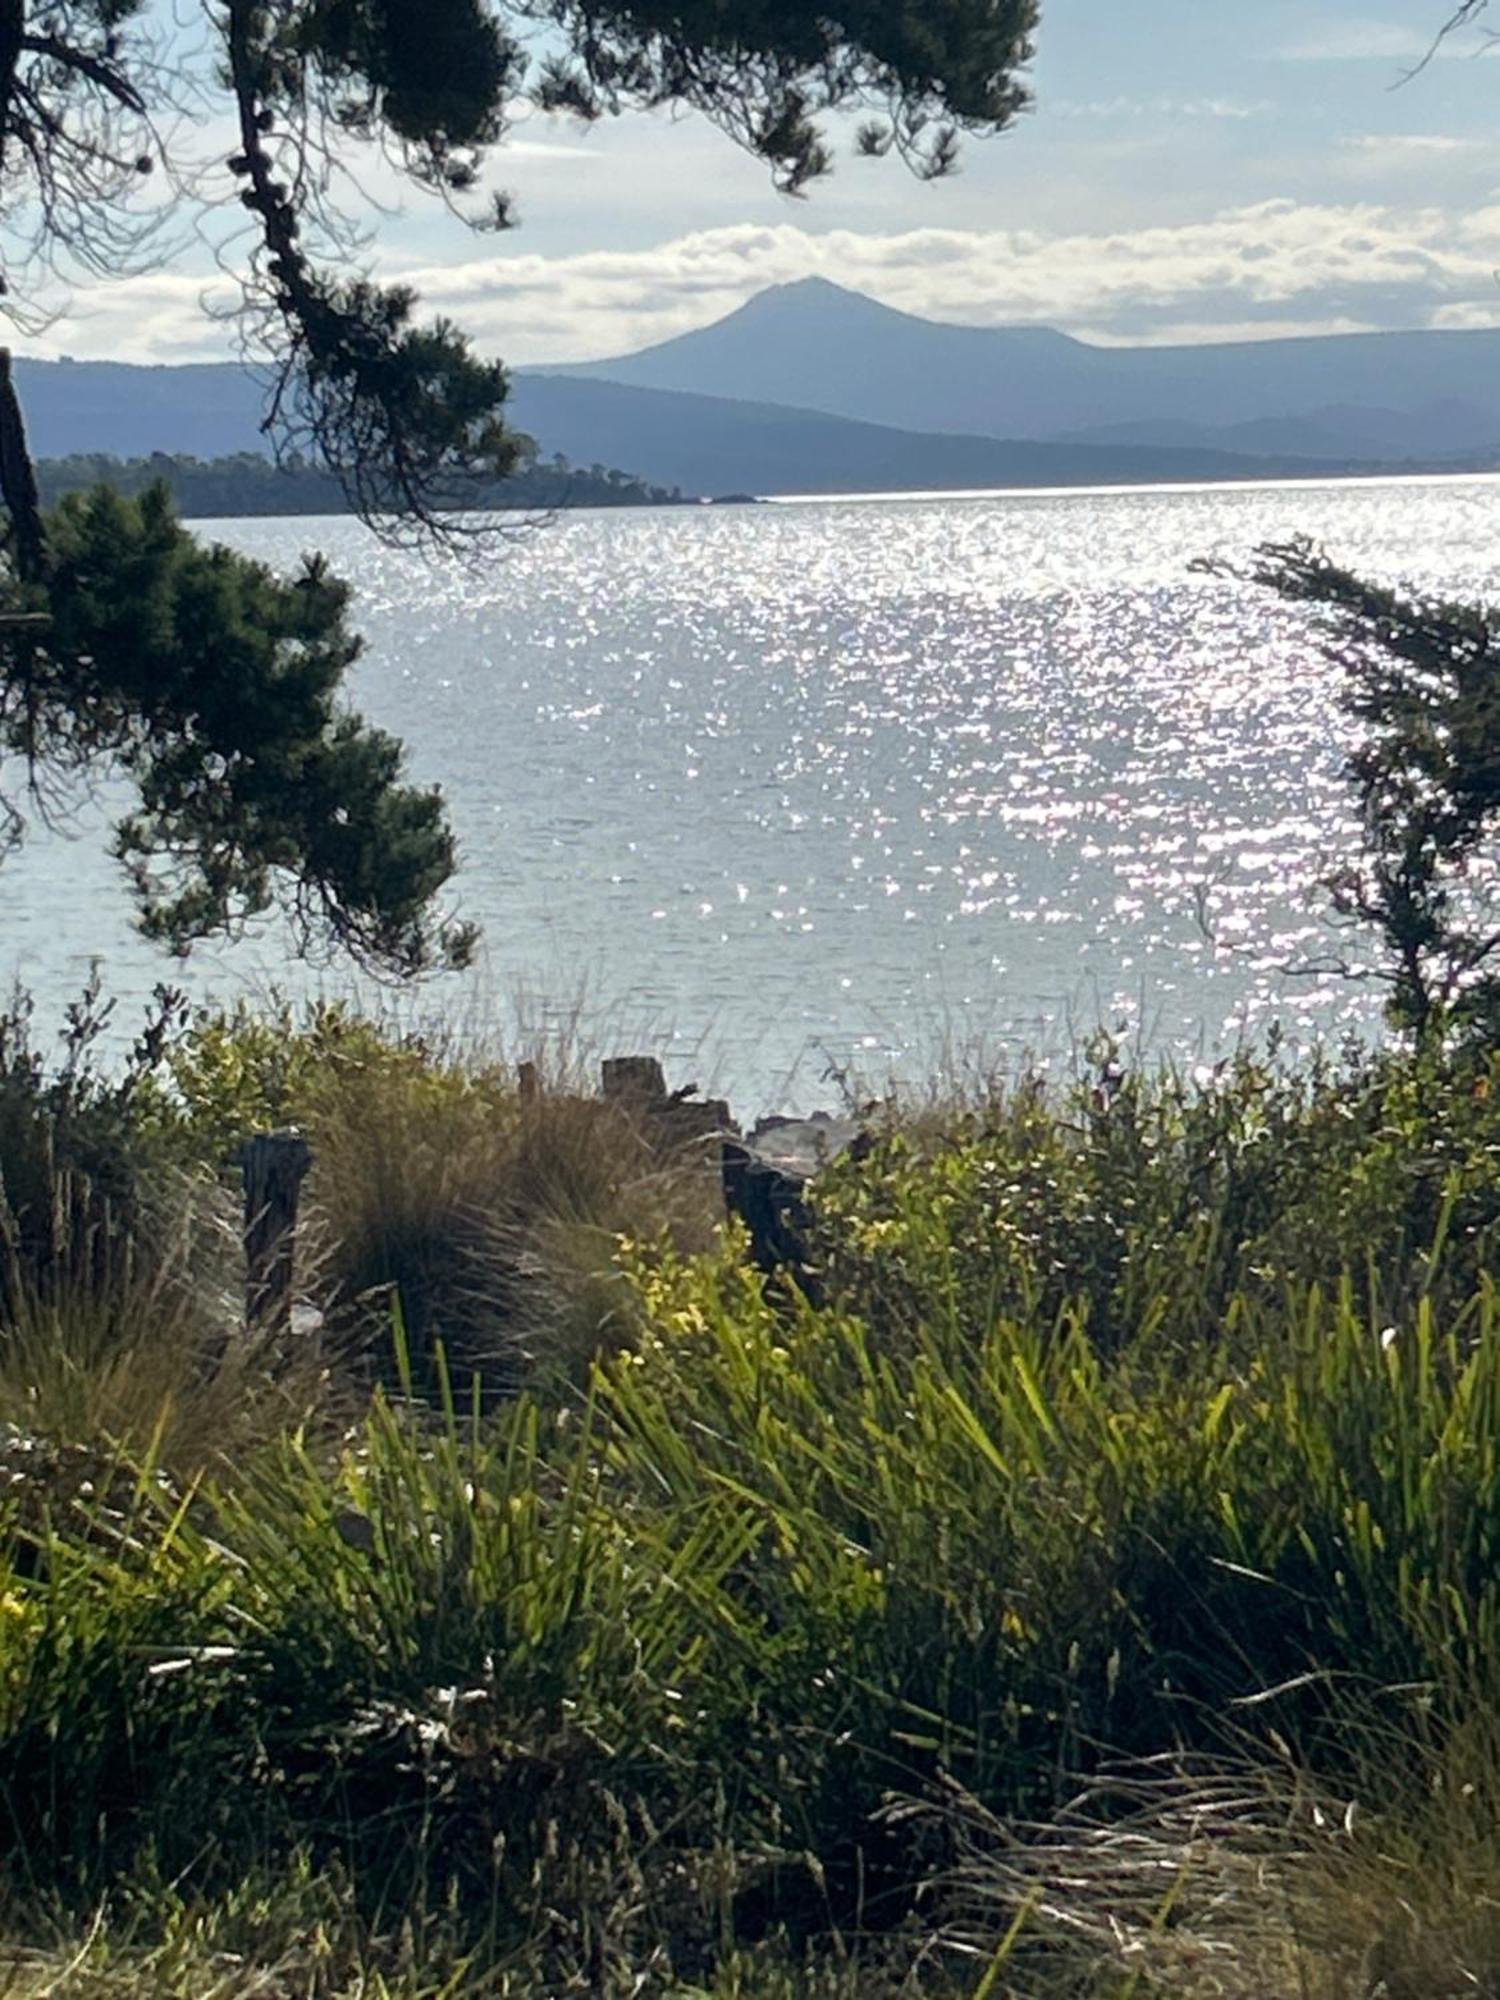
x=766, y=1176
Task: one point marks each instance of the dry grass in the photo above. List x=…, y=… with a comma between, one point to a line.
x=133, y=1345
x=492, y=1218
x=1173, y=1879
x=1239, y=1881
x=92, y=1969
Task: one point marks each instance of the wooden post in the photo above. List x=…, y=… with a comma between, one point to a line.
x=274, y=1165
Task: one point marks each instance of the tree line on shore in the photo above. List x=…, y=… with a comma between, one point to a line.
x=250, y=483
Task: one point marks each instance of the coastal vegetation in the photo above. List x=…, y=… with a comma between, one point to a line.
x=1088, y=1586
x=1417, y=680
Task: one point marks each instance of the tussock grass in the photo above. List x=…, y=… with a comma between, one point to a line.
x=134, y=1344
x=493, y=1219
x=487, y=1215
x=1236, y=1879
x=1167, y=1877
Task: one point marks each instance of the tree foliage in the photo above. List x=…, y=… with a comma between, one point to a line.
x=1421, y=678
x=211, y=685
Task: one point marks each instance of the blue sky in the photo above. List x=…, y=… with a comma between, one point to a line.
x=1191, y=171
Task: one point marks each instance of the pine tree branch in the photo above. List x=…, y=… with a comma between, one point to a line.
x=99, y=72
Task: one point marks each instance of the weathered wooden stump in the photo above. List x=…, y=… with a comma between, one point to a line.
x=764, y=1176
x=671, y=1120
x=274, y=1165
x=633, y=1080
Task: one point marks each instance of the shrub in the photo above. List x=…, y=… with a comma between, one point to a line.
x=493, y=1219
x=490, y=1219
x=122, y=1273
x=227, y=1074
x=74, y=1163
x=1153, y=1202
x=436, y=1665
x=988, y=1551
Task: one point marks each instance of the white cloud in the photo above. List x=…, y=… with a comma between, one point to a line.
x=1100, y=110
x=1360, y=41
x=1469, y=315
x=164, y=316
x=546, y=150
x=1440, y=37
x=1275, y=267
x=1412, y=145
x=1212, y=332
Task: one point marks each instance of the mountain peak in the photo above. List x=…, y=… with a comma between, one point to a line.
x=819, y=305
x=813, y=287
x=810, y=287
x=815, y=294
x=814, y=345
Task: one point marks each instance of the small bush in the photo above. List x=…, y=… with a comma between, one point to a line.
x=122, y=1273
x=492, y=1219
x=1154, y=1202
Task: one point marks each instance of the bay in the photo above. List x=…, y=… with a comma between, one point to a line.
x=812, y=795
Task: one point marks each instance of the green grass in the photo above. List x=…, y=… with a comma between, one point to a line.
x=1096, y=1593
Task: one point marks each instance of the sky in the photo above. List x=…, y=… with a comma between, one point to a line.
x=1190, y=171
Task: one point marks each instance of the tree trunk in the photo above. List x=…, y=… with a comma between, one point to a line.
x=18, y=483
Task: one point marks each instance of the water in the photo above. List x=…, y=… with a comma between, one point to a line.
x=787, y=789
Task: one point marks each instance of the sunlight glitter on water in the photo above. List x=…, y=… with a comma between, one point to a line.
x=860, y=776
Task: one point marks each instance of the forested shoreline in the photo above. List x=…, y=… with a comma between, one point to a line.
x=248, y=483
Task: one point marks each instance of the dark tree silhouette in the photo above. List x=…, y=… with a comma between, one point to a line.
x=1421, y=678
x=281, y=797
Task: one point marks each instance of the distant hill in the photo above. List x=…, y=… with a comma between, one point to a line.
x=709, y=444
x=1442, y=429
x=704, y=445
x=1371, y=396
x=212, y=409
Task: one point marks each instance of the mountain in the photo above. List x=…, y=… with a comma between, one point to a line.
x=708, y=445
x=812, y=389
x=1444, y=428
x=818, y=346
x=212, y=409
